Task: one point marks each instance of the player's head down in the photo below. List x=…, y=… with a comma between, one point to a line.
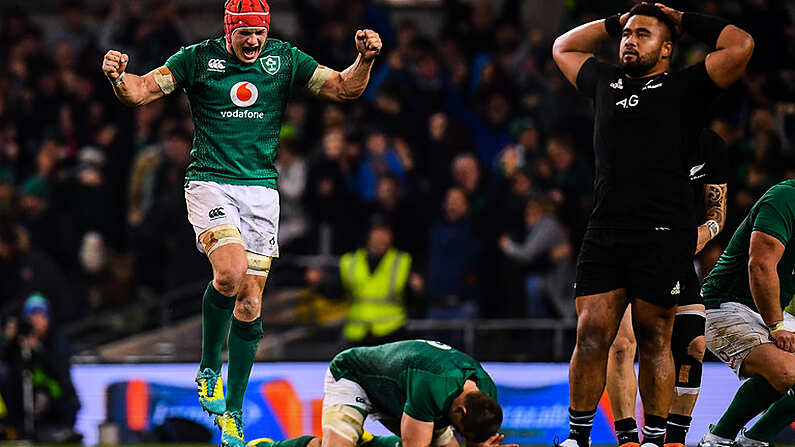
x=647, y=40
x=246, y=25
x=478, y=418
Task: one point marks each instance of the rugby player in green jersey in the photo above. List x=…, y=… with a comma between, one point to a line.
x=746, y=328
x=420, y=390
x=238, y=87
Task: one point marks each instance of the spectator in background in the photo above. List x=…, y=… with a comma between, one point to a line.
x=383, y=155
x=293, y=223
x=37, y=350
x=375, y=278
x=329, y=200
x=391, y=205
x=546, y=256
x=570, y=180
x=28, y=270
x=467, y=176
x=453, y=261
x=75, y=31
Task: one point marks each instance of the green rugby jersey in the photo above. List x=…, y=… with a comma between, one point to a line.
x=418, y=377
x=238, y=108
x=773, y=214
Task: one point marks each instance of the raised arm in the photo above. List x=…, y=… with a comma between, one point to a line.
x=764, y=254
x=733, y=46
x=572, y=49
x=133, y=90
x=715, y=204
x=350, y=83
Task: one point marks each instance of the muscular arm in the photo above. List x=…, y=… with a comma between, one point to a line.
x=572, y=49
x=134, y=90
x=732, y=52
x=139, y=90
x=715, y=204
x=764, y=253
x=351, y=82
x=414, y=432
x=342, y=86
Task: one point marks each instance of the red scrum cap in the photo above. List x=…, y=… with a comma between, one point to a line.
x=245, y=14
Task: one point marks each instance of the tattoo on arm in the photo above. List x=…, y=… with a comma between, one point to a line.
x=715, y=203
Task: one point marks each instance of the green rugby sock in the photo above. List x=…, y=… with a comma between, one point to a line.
x=243, y=341
x=216, y=312
x=753, y=397
x=775, y=419
x=301, y=441
x=384, y=441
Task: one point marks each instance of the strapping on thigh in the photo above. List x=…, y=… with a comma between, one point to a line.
x=344, y=420
x=219, y=236
x=259, y=265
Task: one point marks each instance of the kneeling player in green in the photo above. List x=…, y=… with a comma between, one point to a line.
x=420, y=390
x=746, y=326
x=367, y=440
x=238, y=87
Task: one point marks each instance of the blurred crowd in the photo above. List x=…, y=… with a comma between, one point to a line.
x=468, y=145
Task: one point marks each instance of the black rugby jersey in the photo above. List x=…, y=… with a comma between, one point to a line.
x=644, y=130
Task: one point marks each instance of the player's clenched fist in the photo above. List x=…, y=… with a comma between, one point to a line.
x=114, y=64
x=368, y=43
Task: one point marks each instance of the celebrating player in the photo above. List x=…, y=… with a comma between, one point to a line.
x=708, y=176
x=238, y=86
x=747, y=329
x=640, y=239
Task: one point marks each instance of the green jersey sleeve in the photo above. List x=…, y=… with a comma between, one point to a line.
x=775, y=216
x=427, y=394
x=304, y=67
x=181, y=65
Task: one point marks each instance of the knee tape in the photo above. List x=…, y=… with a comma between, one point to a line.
x=259, y=265
x=343, y=420
x=219, y=236
x=687, y=327
x=442, y=436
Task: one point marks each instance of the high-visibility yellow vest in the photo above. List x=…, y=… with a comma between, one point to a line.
x=377, y=307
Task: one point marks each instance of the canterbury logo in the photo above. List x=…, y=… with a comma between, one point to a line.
x=676, y=290
x=217, y=213
x=218, y=65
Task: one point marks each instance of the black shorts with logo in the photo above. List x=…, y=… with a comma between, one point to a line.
x=652, y=265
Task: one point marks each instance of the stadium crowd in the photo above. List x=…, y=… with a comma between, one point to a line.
x=469, y=144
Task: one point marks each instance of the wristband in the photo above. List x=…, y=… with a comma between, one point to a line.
x=713, y=228
x=777, y=326
x=613, y=25
x=703, y=27
x=118, y=80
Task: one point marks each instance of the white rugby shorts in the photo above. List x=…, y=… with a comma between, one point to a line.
x=734, y=330
x=252, y=209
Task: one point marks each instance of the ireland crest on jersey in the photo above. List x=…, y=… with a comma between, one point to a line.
x=271, y=64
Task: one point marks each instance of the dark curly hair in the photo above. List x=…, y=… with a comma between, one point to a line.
x=648, y=9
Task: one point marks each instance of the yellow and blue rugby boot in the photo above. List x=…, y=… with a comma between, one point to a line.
x=211, y=391
x=231, y=424
x=261, y=442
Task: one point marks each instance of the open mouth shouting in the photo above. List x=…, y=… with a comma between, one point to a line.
x=250, y=52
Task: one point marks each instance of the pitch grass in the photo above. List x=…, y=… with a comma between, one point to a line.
x=208, y=445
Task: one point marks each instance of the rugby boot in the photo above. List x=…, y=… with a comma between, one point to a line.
x=710, y=440
x=745, y=441
x=231, y=424
x=211, y=391
x=261, y=442
x=571, y=443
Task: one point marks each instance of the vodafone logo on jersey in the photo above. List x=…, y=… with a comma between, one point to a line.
x=244, y=94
